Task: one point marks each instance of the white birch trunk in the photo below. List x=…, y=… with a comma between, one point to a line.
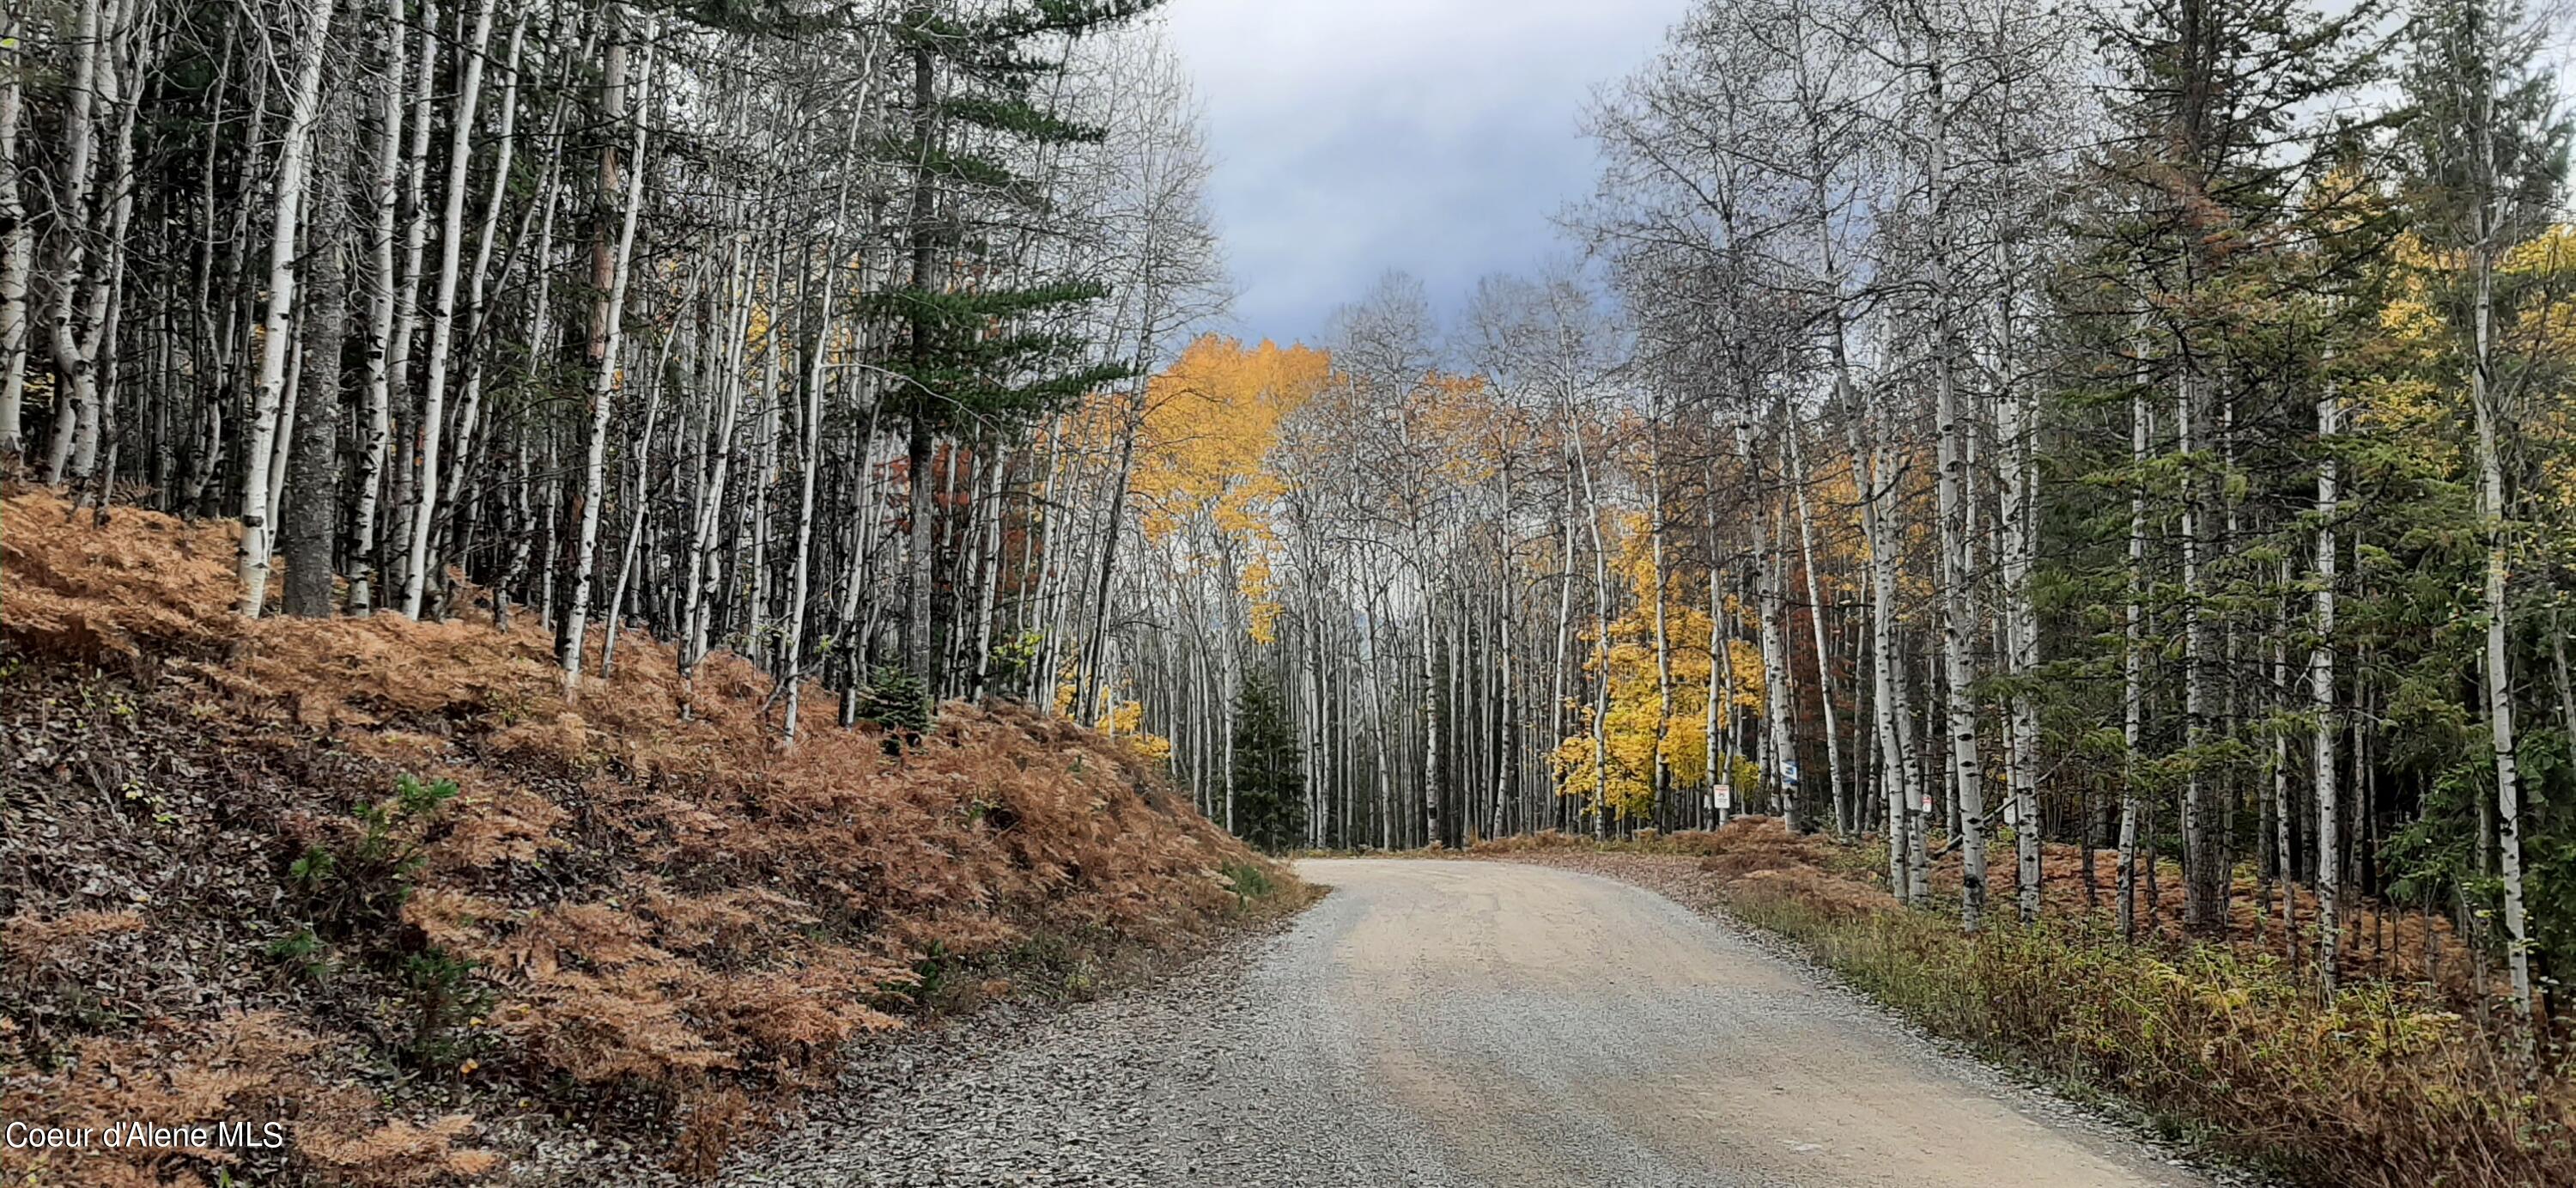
x=256, y=532
x=369, y=478
x=603, y=387
x=2499, y=670
x=88, y=44
x=442, y=315
x=1601, y=636
x=1816, y=620
x=282, y=300
x=406, y=324
x=478, y=284
x=792, y=653
x=1958, y=666
x=17, y=240
x=2199, y=838
x=2133, y=668
x=1663, y=637
x=2321, y=679
x=2020, y=526
x=1778, y=689
x=704, y=518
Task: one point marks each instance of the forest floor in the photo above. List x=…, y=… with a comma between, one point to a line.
x=1464, y=1025
x=382, y=883
x=2217, y=1042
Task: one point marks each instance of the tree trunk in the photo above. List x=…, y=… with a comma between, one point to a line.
x=918, y=442
x=2017, y=427
x=380, y=324
x=2499, y=670
x=17, y=241
x=292, y=159
x=2133, y=668
x=406, y=323
x=442, y=317
x=311, y=518
x=603, y=389
x=1843, y=823
x=2204, y=876
x=2321, y=678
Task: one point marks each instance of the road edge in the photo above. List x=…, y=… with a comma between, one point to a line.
x=2091, y=1106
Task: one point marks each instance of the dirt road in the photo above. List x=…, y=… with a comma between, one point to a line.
x=1472, y=1023
x=1534, y=1026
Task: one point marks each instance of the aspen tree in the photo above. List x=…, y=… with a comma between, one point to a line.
x=604, y=384
x=17, y=239
x=406, y=314
x=367, y=481
x=446, y=495
x=1790, y=433
x=442, y=318
x=2321, y=678
x=2133, y=667
x=256, y=539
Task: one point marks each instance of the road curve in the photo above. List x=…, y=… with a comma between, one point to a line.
x=1453, y=1024
x=1520, y=1025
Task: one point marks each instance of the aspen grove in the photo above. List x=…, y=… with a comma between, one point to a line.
x=610, y=314
x=2002, y=430
x=2018, y=434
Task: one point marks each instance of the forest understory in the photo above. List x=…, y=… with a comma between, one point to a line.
x=2217, y=1041
x=381, y=881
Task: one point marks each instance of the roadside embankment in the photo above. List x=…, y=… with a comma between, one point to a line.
x=383, y=883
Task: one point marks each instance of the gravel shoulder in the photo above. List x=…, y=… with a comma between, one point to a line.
x=1455, y=1023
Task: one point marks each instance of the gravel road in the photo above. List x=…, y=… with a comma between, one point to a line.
x=1444, y=1023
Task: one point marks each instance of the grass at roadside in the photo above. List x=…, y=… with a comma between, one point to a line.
x=2387, y=1086
x=1064, y=965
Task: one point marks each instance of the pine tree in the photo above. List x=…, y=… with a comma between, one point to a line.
x=974, y=349
x=2221, y=149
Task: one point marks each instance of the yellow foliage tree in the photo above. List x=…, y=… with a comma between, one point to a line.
x=1126, y=719
x=1639, y=722
x=1202, y=478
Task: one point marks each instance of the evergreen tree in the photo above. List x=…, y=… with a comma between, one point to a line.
x=2219, y=225
x=977, y=343
x=2488, y=150
x=1269, y=769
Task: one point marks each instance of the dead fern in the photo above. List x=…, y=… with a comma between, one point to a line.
x=617, y=903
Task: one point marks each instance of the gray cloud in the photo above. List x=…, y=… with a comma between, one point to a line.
x=1433, y=136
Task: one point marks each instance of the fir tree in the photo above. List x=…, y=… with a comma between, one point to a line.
x=1269, y=769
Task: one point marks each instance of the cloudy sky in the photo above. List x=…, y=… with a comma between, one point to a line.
x=1434, y=136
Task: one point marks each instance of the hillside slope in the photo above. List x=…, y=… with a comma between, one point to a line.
x=380, y=881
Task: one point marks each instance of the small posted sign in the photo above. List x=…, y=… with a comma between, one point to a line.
x=1723, y=798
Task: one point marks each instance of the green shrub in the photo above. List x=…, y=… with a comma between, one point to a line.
x=1248, y=881
x=303, y=954
x=895, y=699
x=353, y=885
x=444, y=996
x=931, y=974
x=360, y=880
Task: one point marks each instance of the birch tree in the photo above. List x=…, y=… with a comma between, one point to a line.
x=2488, y=149
x=313, y=33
